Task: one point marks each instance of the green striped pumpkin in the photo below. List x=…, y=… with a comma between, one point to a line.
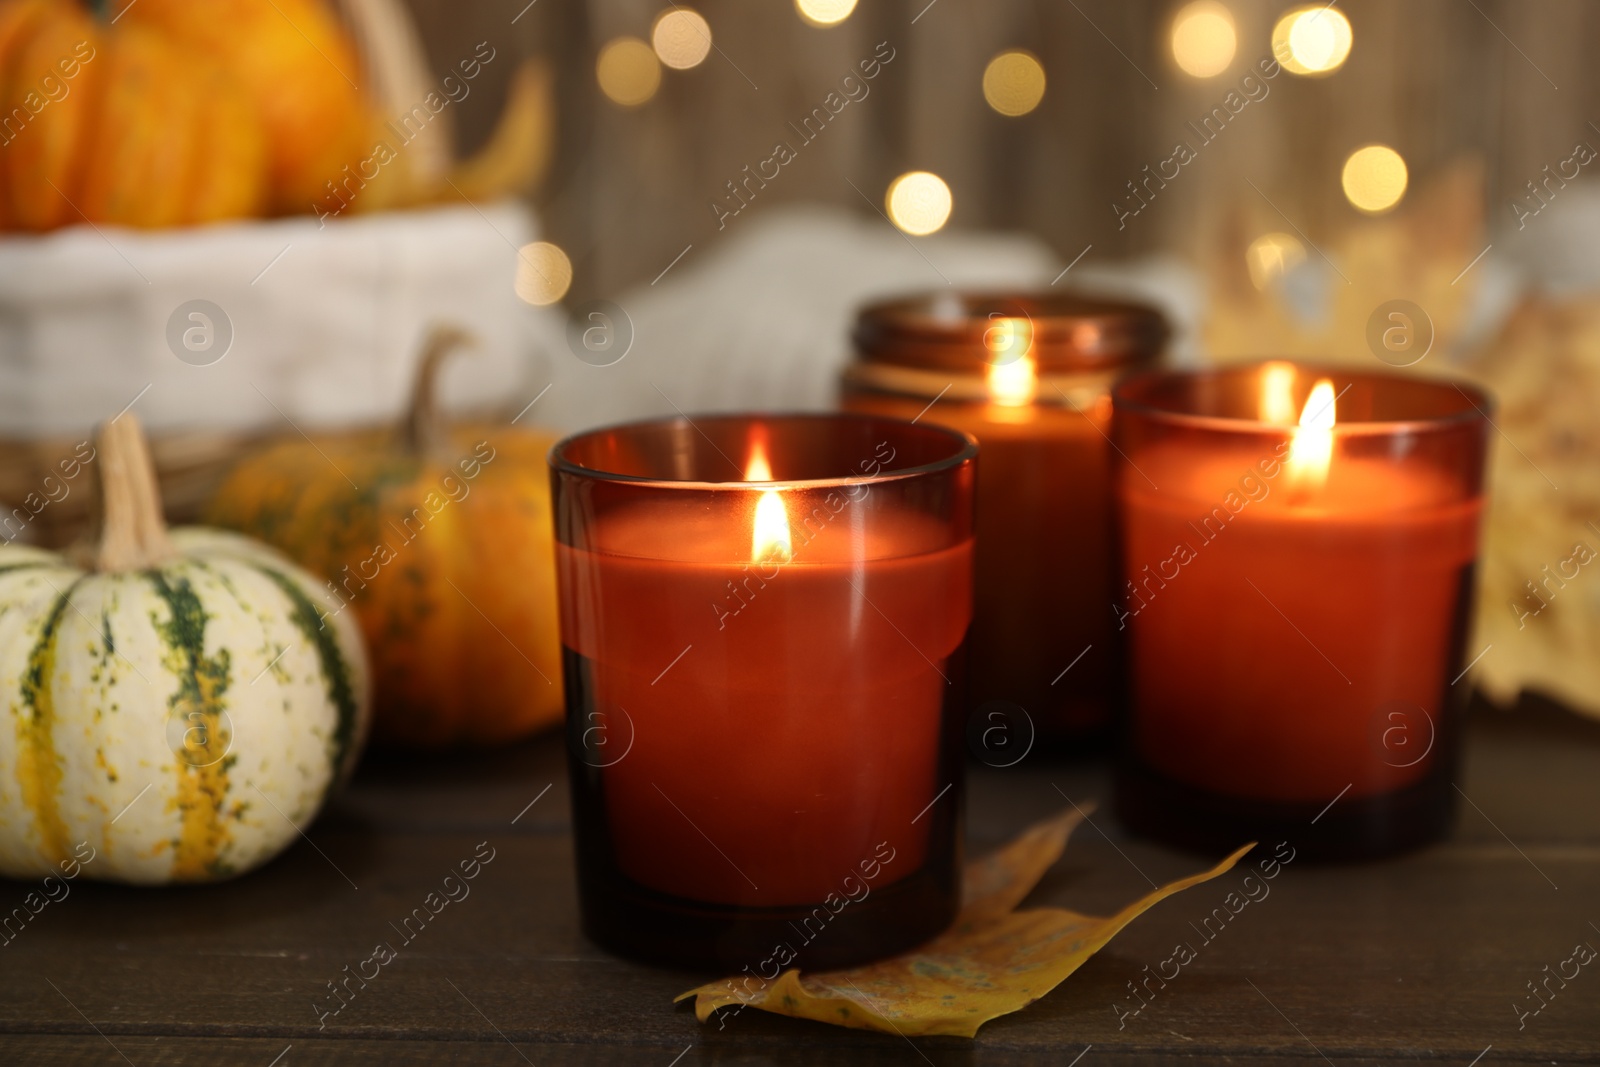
x=183, y=707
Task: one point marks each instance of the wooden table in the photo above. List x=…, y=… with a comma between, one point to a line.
x=1423, y=958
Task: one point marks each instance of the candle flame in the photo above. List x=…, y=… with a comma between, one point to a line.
x=770, y=540
x=1012, y=384
x=1012, y=375
x=1312, y=446
x=1277, y=394
x=757, y=468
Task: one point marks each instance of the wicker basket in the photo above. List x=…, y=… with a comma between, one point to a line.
x=51, y=498
x=326, y=337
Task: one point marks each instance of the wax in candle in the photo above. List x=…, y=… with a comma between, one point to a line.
x=1272, y=624
x=785, y=718
x=1043, y=556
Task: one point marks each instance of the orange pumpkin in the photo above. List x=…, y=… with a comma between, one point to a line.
x=178, y=112
x=441, y=541
x=172, y=112
x=296, y=65
x=118, y=125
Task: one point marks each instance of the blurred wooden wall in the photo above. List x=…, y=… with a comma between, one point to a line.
x=1509, y=81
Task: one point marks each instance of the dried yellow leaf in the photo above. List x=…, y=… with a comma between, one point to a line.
x=993, y=961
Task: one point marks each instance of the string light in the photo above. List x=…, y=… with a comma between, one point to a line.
x=825, y=12
x=628, y=71
x=681, y=38
x=1374, y=178
x=919, y=202
x=1013, y=82
x=1204, y=39
x=1312, y=40
x=544, y=273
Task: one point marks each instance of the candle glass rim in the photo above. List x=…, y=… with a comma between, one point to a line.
x=1072, y=330
x=1480, y=404
x=965, y=453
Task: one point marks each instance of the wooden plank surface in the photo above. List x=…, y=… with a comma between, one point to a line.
x=1421, y=958
x=1440, y=80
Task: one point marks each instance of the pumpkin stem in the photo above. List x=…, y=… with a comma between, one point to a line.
x=132, y=533
x=424, y=430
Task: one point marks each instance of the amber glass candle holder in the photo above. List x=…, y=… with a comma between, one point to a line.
x=763, y=621
x=1029, y=376
x=1297, y=553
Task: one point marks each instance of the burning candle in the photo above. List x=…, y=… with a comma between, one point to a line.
x=1297, y=549
x=763, y=620
x=1029, y=377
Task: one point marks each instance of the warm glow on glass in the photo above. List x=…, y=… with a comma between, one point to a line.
x=769, y=540
x=1277, y=394
x=1013, y=82
x=1008, y=338
x=1375, y=178
x=681, y=38
x=1312, y=40
x=1203, y=38
x=1012, y=375
x=825, y=12
x=919, y=202
x=1271, y=256
x=1013, y=384
x=628, y=71
x=1312, y=447
x=544, y=273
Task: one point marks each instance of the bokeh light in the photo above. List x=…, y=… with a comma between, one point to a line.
x=825, y=12
x=682, y=38
x=1204, y=38
x=1271, y=256
x=919, y=202
x=1375, y=178
x=1312, y=40
x=544, y=273
x=1013, y=82
x=628, y=71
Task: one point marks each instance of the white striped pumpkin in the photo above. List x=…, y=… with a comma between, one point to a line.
x=182, y=708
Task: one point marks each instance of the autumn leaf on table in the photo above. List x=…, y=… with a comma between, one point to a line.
x=993, y=961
